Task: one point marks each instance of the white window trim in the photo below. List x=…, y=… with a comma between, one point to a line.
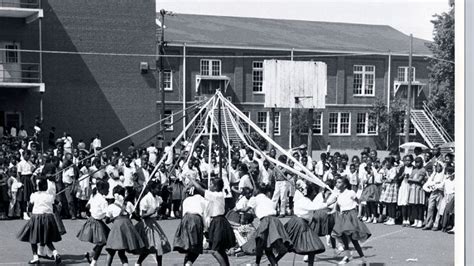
x=363, y=72
x=171, y=80
x=322, y=127
x=405, y=76
x=279, y=124
x=267, y=119
x=170, y=128
x=210, y=67
x=255, y=69
x=366, y=126
x=339, y=124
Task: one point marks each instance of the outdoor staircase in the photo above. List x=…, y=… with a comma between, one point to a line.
x=429, y=127
x=230, y=128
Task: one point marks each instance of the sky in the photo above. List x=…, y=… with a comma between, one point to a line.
x=407, y=16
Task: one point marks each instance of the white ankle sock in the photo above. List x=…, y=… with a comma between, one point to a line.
x=55, y=252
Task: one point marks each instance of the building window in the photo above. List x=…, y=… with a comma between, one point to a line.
x=276, y=124
x=168, y=123
x=245, y=125
x=257, y=76
x=340, y=123
x=262, y=121
x=168, y=80
x=318, y=123
x=366, y=124
x=11, y=53
x=210, y=67
x=364, y=80
x=403, y=74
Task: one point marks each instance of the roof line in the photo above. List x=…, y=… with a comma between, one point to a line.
x=177, y=44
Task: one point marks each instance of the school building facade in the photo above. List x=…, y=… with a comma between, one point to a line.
x=366, y=64
x=80, y=83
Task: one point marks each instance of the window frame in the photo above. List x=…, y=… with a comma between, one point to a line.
x=366, y=124
x=276, y=130
x=339, y=124
x=170, y=88
x=321, y=114
x=405, y=73
x=402, y=127
x=363, y=85
x=259, y=82
x=266, y=121
x=210, y=67
x=16, y=48
x=170, y=117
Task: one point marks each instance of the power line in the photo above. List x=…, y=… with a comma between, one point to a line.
x=180, y=56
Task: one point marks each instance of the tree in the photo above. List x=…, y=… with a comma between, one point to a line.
x=388, y=122
x=441, y=99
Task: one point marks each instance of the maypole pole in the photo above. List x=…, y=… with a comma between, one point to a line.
x=219, y=103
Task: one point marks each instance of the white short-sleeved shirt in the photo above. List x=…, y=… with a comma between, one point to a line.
x=303, y=206
x=113, y=210
x=98, y=206
x=128, y=173
x=319, y=169
x=245, y=182
x=262, y=205
x=449, y=186
x=42, y=202
x=346, y=200
x=216, y=202
x=318, y=202
x=149, y=203
x=112, y=171
x=242, y=203
x=25, y=168
x=169, y=155
x=195, y=204
x=68, y=175
x=113, y=183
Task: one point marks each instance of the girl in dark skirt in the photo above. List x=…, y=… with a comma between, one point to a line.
x=155, y=239
x=42, y=227
x=189, y=236
x=221, y=235
x=25, y=170
x=123, y=236
x=305, y=240
x=271, y=236
x=347, y=226
x=94, y=230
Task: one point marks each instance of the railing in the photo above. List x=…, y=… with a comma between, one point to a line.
x=437, y=124
x=21, y=3
x=19, y=73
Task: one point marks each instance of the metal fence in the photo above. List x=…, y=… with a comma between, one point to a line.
x=19, y=72
x=21, y=3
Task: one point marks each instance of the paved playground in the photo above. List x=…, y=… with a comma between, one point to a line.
x=389, y=245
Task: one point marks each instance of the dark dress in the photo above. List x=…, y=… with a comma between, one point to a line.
x=123, y=235
x=189, y=236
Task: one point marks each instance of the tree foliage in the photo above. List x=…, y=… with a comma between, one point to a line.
x=388, y=122
x=441, y=100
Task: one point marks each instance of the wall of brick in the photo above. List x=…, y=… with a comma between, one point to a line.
x=89, y=94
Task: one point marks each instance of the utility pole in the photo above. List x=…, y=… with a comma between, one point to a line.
x=160, y=64
x=219, y=103
x=408, y=111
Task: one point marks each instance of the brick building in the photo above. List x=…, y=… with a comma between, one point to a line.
x=79, y=93
x=365, y=63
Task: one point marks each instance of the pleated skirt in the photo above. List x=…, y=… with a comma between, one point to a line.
x=271, y=234
x=190, y=234
x=94, y=231
x=124, y=236
x=221, y=234
x=153, y=236
x=40, y=229
x=347, y=223
x=305, y=240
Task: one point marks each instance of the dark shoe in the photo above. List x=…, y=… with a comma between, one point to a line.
x=46, y=257
x=57, y=259
x=88, y=258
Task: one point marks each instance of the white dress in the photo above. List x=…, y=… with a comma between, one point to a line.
x=404, y=190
